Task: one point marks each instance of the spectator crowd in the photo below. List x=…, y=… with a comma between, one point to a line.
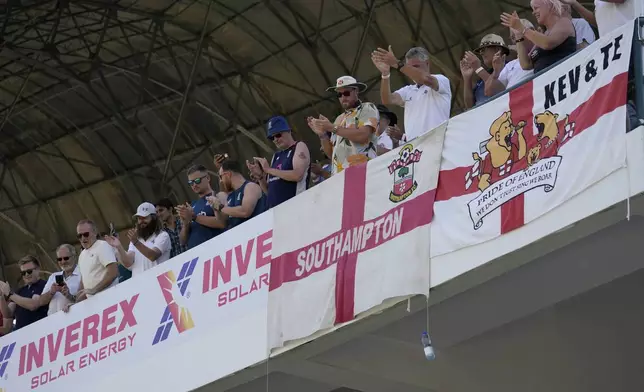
x=362, y=131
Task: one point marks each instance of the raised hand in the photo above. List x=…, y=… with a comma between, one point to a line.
x=472, y=60
x=466, y=69
x=498, y=63
x=512, y=21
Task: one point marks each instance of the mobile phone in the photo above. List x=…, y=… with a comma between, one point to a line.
x=60, y=280
x=112, y=230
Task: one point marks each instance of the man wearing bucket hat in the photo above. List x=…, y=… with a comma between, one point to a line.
x=506, y=75
x=353, y=133
x=475, y=72
x=288, y=173
x=149, y=243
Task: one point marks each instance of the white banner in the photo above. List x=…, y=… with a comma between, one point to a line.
x=527, y=152
x=353, y=241
x=185, y=323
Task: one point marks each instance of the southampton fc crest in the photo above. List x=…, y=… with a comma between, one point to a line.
x=402, y=169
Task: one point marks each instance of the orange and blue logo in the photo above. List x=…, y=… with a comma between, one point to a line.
x=175, y=291
x=5, y=356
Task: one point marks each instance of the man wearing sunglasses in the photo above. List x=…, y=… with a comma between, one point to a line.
x=25, y=304
x=353, y=133
x=199, y=223
x=61, y=287
x=97, y=262
x=288, y=173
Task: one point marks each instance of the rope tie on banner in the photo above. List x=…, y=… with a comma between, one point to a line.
x=628, y=181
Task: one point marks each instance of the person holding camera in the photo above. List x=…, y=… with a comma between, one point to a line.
x=62, y=286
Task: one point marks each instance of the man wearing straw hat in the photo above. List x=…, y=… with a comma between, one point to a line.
x=471, y=65
x=353, y=133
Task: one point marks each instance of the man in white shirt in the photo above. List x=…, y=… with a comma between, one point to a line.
x=608, y=15
x=387, y=119
x=59, y=295
x=427, y=102
x=149, y=243
x=583, y=32
x=96, y=263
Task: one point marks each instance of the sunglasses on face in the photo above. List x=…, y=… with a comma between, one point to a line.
x=196, y=181
x=344, y=94
x=26, y=272
x=63, y=258
x=276, y=136
x=83, y=235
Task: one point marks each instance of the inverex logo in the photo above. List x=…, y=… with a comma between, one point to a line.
x=174, y=291
x=5, y=356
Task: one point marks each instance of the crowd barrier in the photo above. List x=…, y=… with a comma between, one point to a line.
x=345, y=246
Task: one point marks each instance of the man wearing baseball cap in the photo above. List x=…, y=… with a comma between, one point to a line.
x=353, y=133
x=288, y=173
x=149, y=243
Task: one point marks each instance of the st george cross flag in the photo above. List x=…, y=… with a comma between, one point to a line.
x=527, y=152
x=353, y=241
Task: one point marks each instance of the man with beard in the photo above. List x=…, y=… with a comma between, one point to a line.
x=198, y=220
x=353, y=133
x=288, y=173
x=245, y=198
x=149, y=243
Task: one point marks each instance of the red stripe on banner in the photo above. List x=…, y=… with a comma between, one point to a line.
x=521, y=104
x=451, y=182
x=353, y=205
x=320, y=255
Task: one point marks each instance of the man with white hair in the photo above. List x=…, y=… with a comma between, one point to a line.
x=608, y=15
x=62, y=286
x=427, y=102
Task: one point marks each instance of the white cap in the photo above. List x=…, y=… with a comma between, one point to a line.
x=145, y=209
x=348, y=81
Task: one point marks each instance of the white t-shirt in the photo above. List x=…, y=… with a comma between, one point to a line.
x=610, y=16
x=583, y=31
x=513, y=74
x=159, y=241
x=92, y=263
x=58, y=301
x=385, y=141
x=425, y=108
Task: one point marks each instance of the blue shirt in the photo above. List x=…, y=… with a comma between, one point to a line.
x=235, y=199
x=200, y=233
x=280, y=190
x=24, y=316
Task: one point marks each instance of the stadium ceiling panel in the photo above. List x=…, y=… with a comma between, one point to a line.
x=105, y=103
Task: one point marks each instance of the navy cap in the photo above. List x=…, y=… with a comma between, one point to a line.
x=276, y=125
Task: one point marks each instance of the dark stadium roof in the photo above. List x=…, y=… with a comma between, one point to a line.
x=104, y=103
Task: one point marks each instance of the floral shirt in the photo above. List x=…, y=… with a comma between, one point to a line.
x=365, y=114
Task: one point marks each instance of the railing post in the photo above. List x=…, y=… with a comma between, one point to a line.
x=638, y=63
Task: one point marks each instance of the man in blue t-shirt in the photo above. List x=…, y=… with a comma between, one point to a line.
x=288, y=173
x=199, y=221
x=245, y=198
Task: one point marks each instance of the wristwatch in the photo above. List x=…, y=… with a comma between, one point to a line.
x=401, y=64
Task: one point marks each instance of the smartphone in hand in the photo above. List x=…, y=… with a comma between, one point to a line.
x=113, y=232
x=60, y=280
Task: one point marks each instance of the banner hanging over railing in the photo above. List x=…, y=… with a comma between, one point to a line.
x=354, y=241
x=201, y=315
x=527, y=152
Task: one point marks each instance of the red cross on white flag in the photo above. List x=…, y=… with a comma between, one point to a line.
x=359, y=238
x=531, y=150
